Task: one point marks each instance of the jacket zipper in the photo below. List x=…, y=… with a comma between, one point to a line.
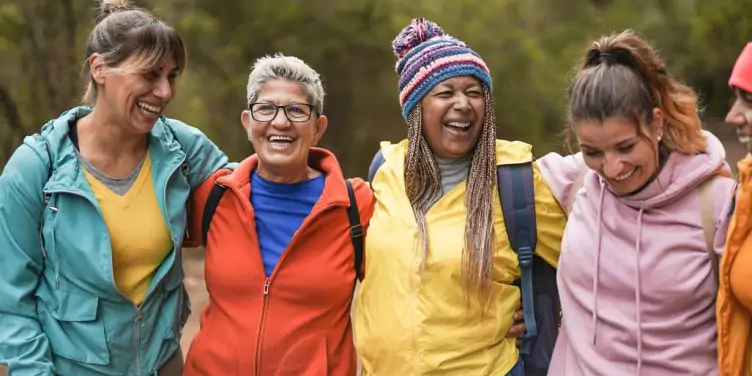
x=139, y=323
x=261, y=326
x=55, y=209
x=246, y=203
x=140, y=319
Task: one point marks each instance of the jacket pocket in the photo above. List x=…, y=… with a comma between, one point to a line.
x=75, y=331
x=174, y=302
x=307, y=357
x=175, y=298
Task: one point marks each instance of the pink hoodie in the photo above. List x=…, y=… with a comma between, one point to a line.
x=635, y=279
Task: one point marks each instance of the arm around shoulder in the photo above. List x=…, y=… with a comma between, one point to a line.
x=550, y=219
x=24, y=348
x=562, y=173
x=202, y=155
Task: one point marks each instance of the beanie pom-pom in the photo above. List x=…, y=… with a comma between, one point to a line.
x=417, y=32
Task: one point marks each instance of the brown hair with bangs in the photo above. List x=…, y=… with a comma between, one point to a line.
x=130, y=40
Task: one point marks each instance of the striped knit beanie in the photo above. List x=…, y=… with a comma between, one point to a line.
x=426, y=56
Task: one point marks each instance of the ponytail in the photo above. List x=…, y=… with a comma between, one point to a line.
x=622, y=76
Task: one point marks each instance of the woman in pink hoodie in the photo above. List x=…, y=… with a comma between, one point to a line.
x=649, y=189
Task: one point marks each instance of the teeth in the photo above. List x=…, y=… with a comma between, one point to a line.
x=459, y=124
x=149, y=107
x=745, y=139
x=624, y=176
x=280, y=138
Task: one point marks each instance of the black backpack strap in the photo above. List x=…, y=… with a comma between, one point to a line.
x=46, y=196
x=209, y=208
x=516, y=193
x=356, y=230
x=50, y=167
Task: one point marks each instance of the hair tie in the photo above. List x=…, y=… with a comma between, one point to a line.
x=609, y=58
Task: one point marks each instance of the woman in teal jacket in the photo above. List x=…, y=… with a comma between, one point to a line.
x=93, y=215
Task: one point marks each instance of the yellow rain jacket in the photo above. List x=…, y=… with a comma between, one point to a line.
x=412, y=322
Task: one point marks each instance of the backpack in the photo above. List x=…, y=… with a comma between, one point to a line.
x=356, y=230
x=540, y=295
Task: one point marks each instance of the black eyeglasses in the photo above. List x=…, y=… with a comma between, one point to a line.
x=295, y=112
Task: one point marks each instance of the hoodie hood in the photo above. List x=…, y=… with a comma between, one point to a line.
x=680, y=174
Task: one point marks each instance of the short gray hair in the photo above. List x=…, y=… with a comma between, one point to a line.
x=280, y=67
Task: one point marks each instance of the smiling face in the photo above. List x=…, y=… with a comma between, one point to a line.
x=453, y=116
x=134, y=100
x=740, y=117
x=282, y=145
x=620, y=153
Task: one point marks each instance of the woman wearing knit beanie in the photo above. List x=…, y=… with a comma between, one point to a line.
x=734, y=305
x=439, y=293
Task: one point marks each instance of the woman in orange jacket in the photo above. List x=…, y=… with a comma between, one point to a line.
x=734, y=306
x=283, y=240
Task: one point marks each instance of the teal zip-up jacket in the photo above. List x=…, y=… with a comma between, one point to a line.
x=60, y=312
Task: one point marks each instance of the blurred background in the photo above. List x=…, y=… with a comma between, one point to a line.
x=531, y=47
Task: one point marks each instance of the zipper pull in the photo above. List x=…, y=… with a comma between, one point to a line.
x=139, y=317
x=266, y=286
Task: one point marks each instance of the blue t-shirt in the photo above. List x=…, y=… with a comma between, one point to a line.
x=280, y=210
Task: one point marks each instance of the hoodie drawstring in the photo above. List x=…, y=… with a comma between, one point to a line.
x=638, y=287
x=597, y=262
x=638, y=291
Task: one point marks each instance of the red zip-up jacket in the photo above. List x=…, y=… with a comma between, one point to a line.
x=296, y=322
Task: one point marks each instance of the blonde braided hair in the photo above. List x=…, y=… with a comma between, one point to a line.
x=423, y=187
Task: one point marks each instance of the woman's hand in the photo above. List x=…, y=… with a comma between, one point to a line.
x=518, y=327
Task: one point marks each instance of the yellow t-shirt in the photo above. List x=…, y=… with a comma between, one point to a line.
x=139, y=235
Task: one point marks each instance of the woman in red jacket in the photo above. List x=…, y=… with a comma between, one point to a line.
x=280, y=247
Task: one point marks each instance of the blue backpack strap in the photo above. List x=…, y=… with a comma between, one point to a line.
x=376, y=162
x=516, y=192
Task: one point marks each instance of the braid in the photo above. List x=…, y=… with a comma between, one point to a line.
x=423, y=186
x=422, y=180
x=477, y=257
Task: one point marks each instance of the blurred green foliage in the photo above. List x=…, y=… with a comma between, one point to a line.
x=531, y=46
